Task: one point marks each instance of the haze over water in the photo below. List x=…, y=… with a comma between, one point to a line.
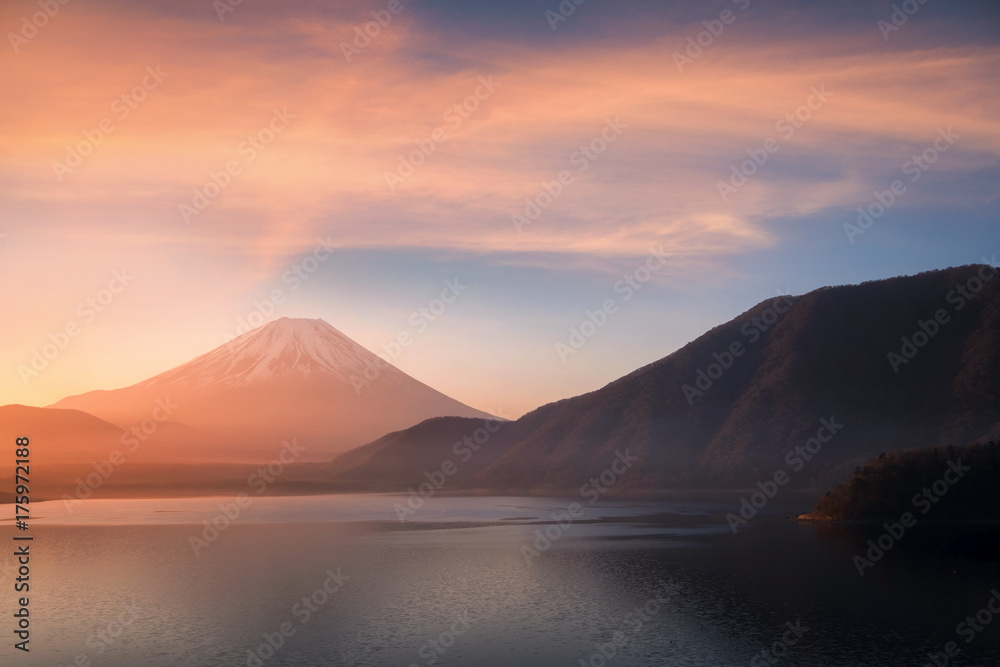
x=678, y=585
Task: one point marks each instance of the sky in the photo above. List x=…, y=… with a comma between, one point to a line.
x=634, y=171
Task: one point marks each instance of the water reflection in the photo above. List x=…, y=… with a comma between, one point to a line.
x=467, y=595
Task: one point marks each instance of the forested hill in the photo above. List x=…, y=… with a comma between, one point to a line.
x=942, y=483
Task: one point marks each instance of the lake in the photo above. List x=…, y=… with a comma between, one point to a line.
x=339, y=580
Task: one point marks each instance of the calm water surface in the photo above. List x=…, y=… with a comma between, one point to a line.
x=118, y=583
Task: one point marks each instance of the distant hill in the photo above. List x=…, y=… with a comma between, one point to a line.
x=706, y=417
x=400, y=459
x=944, y=483
x=57, y=436
x=67, y=444
x=69, y=437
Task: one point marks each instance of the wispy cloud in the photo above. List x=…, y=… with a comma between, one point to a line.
x=325, y=174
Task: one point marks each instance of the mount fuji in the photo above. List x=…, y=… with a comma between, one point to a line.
x=290, y=378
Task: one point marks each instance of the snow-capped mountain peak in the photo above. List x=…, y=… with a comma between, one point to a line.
x=284, y=347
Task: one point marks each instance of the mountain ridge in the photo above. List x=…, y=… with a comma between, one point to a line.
x=826, y=357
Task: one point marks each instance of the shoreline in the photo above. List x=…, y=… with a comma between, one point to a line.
x=721, y=496
x=807, y=519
